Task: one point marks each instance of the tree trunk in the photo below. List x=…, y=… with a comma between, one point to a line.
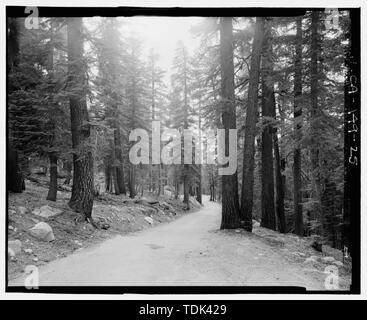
x=213, y=182
x=52, y=190
x=118, y=153
x=151, y=166
x=199, y=166
x=199, y=191
x=82, y=191
x=159, y=191
x=186, y=172
x=13, y=28
x=117, y=145
x=113, y=168
x=279, y=204
x=15, y=182
x=107, y=176
x=250, y=129
x=67, y=166
x=267, y=102
x=230, y=205
x=132, y=191
x=297, y=180
x=177, y=187
x=151, y=178
x=314, y=119
x=14, y=176
x=280, y=166
x=186, y=197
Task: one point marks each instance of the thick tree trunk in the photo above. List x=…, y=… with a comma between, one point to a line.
x=151, y=178
x=280, y=164
x=186, y=198
x=160, y=179
x=159, y=190
x=82, y=191
x=186, y=172
x=279, y=204
x=132, y=191
x=13, y=28
x=230, y=205
x=297, y=181
x=199, y=191
x=118, y=154
x=199, y=166
x=68, y=167
x=114, y=180
x=113, y=169
x=314, y=119
x=15, y=182
x=177, y=189
x=107, y=176
x=191, y=191
x=152, y=187
x=213, y=183
x=52, y=190
x=267, y=102
x=250, y=129
x=14, y=176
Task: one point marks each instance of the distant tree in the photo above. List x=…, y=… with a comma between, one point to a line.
x=182, y=83
x=56, y=116
x=37, y=109
x=158, y=104
x=110, y=52
x=135, y=110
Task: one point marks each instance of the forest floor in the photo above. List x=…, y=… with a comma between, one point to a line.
x=192, y=251
x=122, y=214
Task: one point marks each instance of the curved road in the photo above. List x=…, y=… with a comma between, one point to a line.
x=188, y=251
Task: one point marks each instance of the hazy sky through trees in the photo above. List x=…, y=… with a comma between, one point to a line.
x=162, y=34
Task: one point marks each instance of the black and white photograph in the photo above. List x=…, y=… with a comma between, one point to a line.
x=171, y=150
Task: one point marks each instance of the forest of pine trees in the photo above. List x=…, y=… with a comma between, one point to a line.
x=78, y=86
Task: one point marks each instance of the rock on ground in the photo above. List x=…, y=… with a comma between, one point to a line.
x=328, y=259
x=255, y=223
x=11, y=253
x=42, y=231
x=22, y=210
x=311, y=259
x=14, y=247
x=194, y=202
x=149, y=220
x=46, y=211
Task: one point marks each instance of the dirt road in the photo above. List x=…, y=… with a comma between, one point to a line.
x=189, y=251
